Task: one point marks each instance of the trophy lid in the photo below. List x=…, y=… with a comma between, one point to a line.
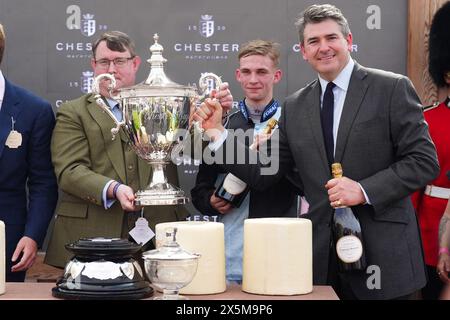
x=171, y=250
x=157, y=83
x=102, y=247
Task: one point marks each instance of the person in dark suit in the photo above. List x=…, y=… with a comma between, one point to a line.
x=376, y=130
x=26, y=124
x=258, y=72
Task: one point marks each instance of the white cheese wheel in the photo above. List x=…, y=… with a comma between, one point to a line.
x=207, y=239
x=277, y=256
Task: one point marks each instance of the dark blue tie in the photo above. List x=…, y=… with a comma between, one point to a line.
x=326, y=117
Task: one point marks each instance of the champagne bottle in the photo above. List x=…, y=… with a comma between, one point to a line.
x=347, y=234
x=233, y=189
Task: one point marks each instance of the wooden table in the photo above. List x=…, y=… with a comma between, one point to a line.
x=42, y=291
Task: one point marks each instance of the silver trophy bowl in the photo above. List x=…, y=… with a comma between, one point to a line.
x=170, y=268
x=156, y=117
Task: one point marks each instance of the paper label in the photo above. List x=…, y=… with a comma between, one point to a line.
x=233, y=184
x=349, y=249
x=141, y=233
x=102, y=270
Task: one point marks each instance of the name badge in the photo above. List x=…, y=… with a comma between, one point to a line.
x=14, y=139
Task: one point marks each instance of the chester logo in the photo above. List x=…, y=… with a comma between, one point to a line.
x=86, y=81
x=206, y=26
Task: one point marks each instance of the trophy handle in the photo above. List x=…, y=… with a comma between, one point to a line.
x=101, y=103
x=208, y=81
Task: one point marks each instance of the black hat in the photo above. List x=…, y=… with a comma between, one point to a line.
x=439, y=45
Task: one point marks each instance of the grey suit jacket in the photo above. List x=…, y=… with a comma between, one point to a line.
x=384, y=144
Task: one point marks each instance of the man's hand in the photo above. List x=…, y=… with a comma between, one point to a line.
x=443, y=267
x=224, y=96
x=260, y=139
x=344, y=192
x=219, y=204
x=221, y=98
x=28, y=247
x=125, y=195
x=209, y=114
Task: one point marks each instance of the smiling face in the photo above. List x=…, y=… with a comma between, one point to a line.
x=257, y=74
x=325, y=48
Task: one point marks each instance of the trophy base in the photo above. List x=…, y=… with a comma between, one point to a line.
x=160, y=197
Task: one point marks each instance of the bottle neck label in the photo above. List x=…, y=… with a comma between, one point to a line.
x=349, y=249
x=233, y=184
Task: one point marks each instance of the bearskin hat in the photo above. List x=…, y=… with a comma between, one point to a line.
x=439, y=45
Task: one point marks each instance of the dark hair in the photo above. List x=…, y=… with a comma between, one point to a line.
x=262, y=48
x=2, y=42
x=318, y=13
x=115, y=41
x=439, y=46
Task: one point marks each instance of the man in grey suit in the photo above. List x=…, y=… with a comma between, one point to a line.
x=377, y=131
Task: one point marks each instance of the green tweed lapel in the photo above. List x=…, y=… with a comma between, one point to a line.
x=113, y=148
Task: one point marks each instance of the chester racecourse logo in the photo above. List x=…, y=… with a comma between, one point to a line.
x=198, y=49
x=206, y=26
x=84, y=83
x=83, y=22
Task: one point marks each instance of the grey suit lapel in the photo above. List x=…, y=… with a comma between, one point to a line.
x=353, y=100
x=313, y=104
x=113, y=147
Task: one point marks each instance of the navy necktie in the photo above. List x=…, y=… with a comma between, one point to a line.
x=326, y=117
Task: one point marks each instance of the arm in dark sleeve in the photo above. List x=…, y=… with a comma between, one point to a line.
x=264, y=168
x=416, y=160
x=42, y=187
x=295, y=181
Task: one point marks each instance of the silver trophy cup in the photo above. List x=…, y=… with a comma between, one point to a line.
x=155, y=114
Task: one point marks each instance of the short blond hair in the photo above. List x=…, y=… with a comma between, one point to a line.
x=261, y=48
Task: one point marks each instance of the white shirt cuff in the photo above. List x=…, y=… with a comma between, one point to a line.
x=107, y=203
x=365, y=194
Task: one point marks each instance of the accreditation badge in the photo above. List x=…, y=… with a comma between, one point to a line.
x=14, y=139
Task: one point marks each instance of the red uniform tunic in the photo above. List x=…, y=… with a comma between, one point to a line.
x=430, y=209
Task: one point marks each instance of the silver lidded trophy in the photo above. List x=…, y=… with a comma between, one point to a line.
x=170, y=268
x=155, y=115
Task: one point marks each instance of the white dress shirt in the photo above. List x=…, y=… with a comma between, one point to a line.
x=342, y=82
x=340, y=92
x=2, y=89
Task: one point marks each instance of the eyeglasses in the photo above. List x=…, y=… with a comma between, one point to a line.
x=118, y=62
